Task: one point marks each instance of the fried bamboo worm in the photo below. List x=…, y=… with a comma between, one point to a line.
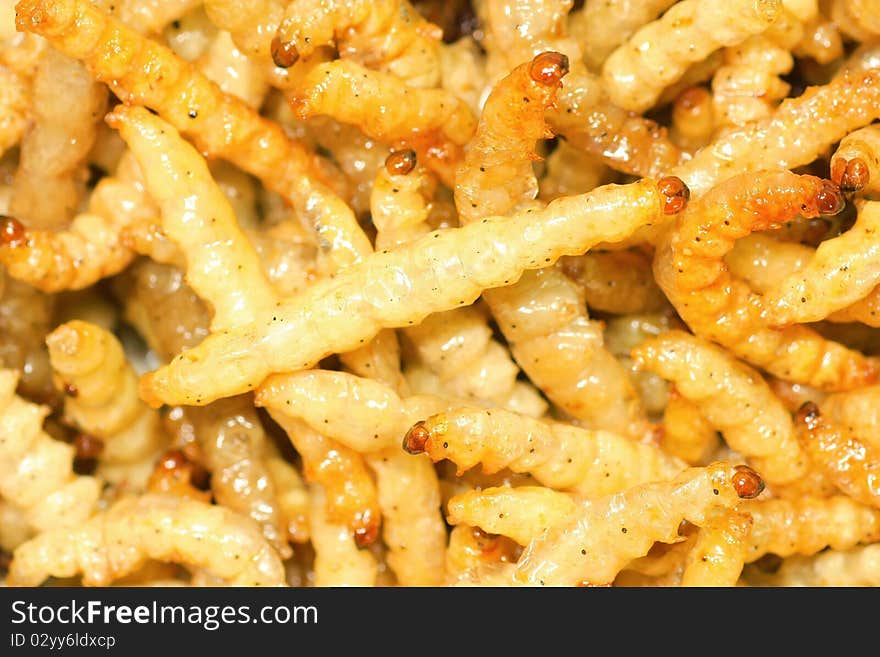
x=619, y=282
x=36, y=471
x=857, y=410
x=457, y=345
x=432, y=121
x=363, y=414
x=386, y=35
x=719, y=552
x=554, y=341
x=600, y=27
x=690, y=269
x=686, y=433
x=522, y=513
x=100, y=388
x=859, y=566
x=351, y=496
x=842, y=271
x=733, y=397
x=584, y=116
x=198, y=217
x=443, y=270
x=338, y=561
x=832, y=111
x=593, y=544
x=748, y=86
x=219, y=124
x=693, y=118
x=809, y=524
x=561, y=456
x=850, y=463
x=234, y=445
x=859, y=19
x=412, y=527
x=118, y=541
x=473, y=556
x=855, y=165
x=53, y=152
x=25, y=319
x=93, y=247
x=658, y=54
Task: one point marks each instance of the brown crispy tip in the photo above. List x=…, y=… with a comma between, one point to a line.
x=808, y=415
x=852, y=175
x=366, y=533
x=400, y=163
x=549, y=68
x=747, y=483
x=416, y=438
x=87, y=447
x=830, y=200
x=12, y=232
x=675, y=194
x=284, y=54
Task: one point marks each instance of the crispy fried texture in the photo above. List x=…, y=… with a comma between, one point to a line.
x=576, y=373
x=363, y=414
x=118, y=541
x=351, y=495
x=231, y=439
x=100, y=388
x=558, y=455
x=690, y=269
x=600, y=27
x=36, y=471
x=92, y=247
x=748, y=87
x=719, y=551
x=659, y=53
x=686, y=433
x=388, y=35
x=619, y=282
x=219, y=124
x=522, y=513
x=859, y=19
x=475, y=557
x=693, y=118
x=338, y=561
x=398, y=287
x=842, y=271
x=733, y=398
x=593, y=544
x=412, y=525
x=809, y=524
x=53, y=152
x=432, y=121
x=782, y=140
x=850, y=463
x=855, y=165
x=850, y=568
x=517, y=31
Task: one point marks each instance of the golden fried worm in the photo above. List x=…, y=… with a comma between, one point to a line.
x=443, y=270
x=593, y=544
x=559, y=455
x=118, y=541
x=219, y=124
x=733, y=397
x=36, y=471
